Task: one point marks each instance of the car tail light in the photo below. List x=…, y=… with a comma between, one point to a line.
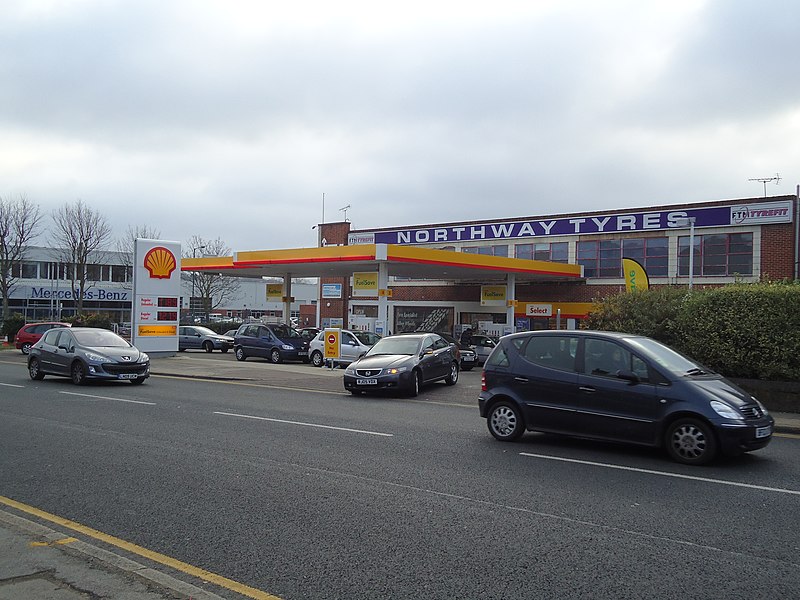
x=483, y=381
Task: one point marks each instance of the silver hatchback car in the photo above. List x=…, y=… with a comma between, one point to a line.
x=354, y=345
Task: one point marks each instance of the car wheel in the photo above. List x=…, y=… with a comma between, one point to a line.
x=416, y=384
x=78, y=373
x=505, y=422
x=691, y=442
x=26, y=348
x=208, y=346
x=34, y=369
x=453, y=377
x=275, y=356
x=239, y=353
x=138, y=380
x=316, y=358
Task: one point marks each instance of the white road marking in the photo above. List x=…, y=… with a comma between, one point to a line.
x=664, y=473
x=227, y=414
x=108, y=398
x=12, y=385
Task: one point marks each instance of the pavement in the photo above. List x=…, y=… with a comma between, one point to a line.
x=41, y=560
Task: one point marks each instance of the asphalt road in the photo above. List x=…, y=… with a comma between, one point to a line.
x=316, y=494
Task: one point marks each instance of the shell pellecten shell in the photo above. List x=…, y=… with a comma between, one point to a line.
x=160, y=262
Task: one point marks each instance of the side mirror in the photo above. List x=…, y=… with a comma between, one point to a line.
x=628, y=375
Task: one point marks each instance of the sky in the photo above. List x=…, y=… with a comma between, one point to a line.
x=252, y=121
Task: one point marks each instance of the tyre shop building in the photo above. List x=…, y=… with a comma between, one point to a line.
x=733, y=240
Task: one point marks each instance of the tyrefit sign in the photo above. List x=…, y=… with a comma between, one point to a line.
x=759, y=213
x=156, y=295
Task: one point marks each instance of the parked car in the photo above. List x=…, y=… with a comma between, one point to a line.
x=353, y=345
x=193, y=337
x=275, y=342
x=84, y=353
x=618, y=387
x=230, y=333
x=483, y=346
x=30, y=333
x=468, y=357
x=403, y=362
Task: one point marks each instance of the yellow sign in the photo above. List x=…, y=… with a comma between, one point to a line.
x=333, y=343
x=635, y=275
x=274, y=291
x=493, y=295
x=157, y=330
x=365, y=284
x=387, y=293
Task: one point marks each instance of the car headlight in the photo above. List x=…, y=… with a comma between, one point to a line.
x=725, y=410
x=761, y=406
x=397, y=370
x=287, y=347
x=350, y=370
x=98, y=358
x=143, y=358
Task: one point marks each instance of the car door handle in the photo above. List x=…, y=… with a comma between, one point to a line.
x=588, y=389
x=521, y=379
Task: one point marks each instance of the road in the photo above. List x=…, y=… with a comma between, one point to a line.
x=316, y=494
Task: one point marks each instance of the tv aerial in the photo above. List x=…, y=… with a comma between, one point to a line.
x=766, y=180
x=344, y=210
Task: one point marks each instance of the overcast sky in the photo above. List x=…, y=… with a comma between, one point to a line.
x=232, y=118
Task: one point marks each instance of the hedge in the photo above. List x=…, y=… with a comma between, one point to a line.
x=740, y=330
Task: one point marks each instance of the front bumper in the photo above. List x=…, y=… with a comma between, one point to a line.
x=117, y=371
x=735, y=438
x=397, y=381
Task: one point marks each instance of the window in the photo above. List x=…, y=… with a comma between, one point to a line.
x=488, y=250
x=96, y=272
x=605, y=358
x=717, y=254
x=555, y=352
x=554, y=252
x=604, y=258
x=651, y=253
x=119, y=273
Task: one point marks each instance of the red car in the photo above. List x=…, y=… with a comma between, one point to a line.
x=30, y=333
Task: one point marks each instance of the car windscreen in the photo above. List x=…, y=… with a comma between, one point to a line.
x=666, y=357
x=100, y=339
x=205, y=331
x=366, y=337
x=395, y=345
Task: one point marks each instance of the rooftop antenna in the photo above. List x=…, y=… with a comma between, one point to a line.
x=344, y=210
x=765, y=180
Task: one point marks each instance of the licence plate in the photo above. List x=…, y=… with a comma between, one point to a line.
x=302, y=353
x=763, y=431
x=468, y=358
x=127, y=376
x=366, y=382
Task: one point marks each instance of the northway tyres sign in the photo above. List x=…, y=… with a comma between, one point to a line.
x=715, y=216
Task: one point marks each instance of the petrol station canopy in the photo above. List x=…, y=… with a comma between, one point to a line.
x=399, y=261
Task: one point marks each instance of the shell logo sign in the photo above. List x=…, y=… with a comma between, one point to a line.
x=160, y=263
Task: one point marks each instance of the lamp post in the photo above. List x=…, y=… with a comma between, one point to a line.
x=689, y=222
x=194, y=275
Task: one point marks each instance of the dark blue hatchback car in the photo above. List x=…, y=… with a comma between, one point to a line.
x=618, y=387
x=275, y=342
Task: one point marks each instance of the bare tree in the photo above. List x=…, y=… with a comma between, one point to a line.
x=214, y=289
x=127, y=244
x=19, y=221
x=81, y=234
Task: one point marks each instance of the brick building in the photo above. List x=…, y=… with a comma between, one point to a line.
x=746, y=239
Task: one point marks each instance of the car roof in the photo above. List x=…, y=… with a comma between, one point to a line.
x=575, y=332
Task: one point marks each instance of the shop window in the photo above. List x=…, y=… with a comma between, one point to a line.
x=717, y=254
x=553, y=252
x=501, y=250
x=119, y=273
x=25, y=270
